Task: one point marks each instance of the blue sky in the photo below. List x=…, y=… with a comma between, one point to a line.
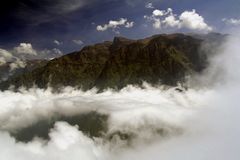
x=70, y=25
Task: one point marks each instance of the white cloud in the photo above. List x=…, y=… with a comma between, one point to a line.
x=64, y=136
x=17, y=64
x=66, y=142
x=50, y=53
x=157, y=23
x=231, y=21
x=25, y=48
x=16, y=58
x=26, y=51
x=156, y=17
x=129, y=24
x=158, y=13
x=171, y=21
x=5, y=53
x=114, y=24
x=5, y=56
x=78, y=42
x=149, y=5
x=57, y=51
x=192, y=20
x=102, y=28
x=12, y=61
x=2, y=61
x=207, y=117
x=57, y=42
x=187, y=19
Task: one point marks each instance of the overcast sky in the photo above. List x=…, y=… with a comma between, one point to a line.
x=67, y=26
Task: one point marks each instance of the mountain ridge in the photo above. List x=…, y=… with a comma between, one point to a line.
x=166, y=59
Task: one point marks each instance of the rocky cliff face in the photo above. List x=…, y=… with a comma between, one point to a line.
x=164, y=59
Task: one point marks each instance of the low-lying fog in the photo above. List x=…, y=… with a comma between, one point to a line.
x=200, y=123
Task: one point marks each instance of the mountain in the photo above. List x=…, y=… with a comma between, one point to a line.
x=160, y=59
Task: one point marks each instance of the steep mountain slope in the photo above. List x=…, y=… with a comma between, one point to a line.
x=164, y=59
x=76, y=69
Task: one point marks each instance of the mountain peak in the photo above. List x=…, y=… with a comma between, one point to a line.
x=121, y=39
x=118, y=41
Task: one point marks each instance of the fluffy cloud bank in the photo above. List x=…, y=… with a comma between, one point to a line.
x=115, y=24
x=24, y=49
x=5, y=56
x=187, y=19
x=192, y=20
x=16, y=59
x=144, y=115
x=208, y=118
x=66, y=142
